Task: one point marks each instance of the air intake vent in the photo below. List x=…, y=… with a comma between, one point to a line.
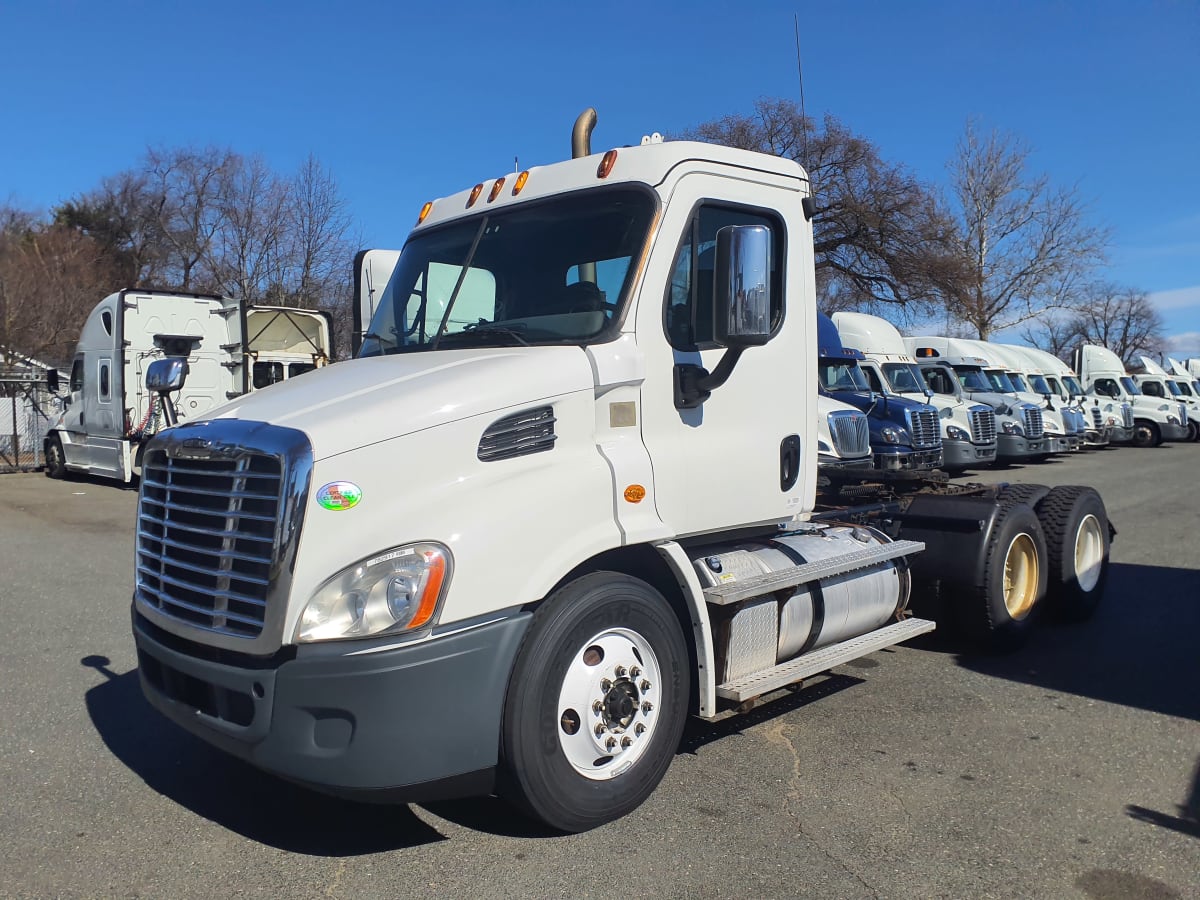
x=529, y=431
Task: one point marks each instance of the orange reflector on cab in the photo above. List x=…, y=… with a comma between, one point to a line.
x=475, y=192
x=926, y=351
x=433, y=589
x=496, y=189
x=520, y=183
x=424, y=211
x=635, y=493
x=606, y=164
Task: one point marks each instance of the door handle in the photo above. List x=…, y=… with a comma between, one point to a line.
x=789, y=462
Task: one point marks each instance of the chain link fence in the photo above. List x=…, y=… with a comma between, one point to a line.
x=26, y=410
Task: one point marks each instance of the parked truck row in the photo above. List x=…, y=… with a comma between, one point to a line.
x=566, y=495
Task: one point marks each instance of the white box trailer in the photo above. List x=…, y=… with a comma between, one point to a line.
x=108, y=413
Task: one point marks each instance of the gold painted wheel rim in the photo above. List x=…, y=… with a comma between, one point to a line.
x=1020, y=576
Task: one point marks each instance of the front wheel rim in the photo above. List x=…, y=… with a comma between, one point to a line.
x=609, y=703
x=1020, y=576
x=1089, y=553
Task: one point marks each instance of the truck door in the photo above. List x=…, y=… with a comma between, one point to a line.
x=722, y=463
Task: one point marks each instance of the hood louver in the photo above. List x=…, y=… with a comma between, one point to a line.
x=529, y=431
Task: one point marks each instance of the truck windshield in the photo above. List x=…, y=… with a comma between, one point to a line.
x=1018, y=382
x=841, y=376
x=1174, y=388
x=1071, y=383
x=973, y=379
x=1184, y=388
x=1039, y=385
x=1130, y=387
x=547, y=273
x=904, y=378
x=999, y=381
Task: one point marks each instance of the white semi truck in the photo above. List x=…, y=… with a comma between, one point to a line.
x=843, y=440
x=231, y=348
x=1154, y=419
x=515, y=552
x=1098, y=424
x=949, y=367
x=1064, y=424
x=969, y=430
x=1153, y=381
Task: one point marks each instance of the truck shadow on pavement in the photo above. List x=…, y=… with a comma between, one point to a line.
x=233, y=794
x=1141, y=649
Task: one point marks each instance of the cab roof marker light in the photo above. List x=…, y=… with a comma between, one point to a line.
x=519, y=185
x=475, y=192
x=496, y=188
x=424, y=211
x=606, y=164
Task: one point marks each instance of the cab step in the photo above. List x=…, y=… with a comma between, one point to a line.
x=736, y=591
x=763, y=682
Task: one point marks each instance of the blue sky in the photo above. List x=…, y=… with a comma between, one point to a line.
x=406, y=102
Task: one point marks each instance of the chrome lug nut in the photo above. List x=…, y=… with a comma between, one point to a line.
x=597, y=706
x=626, y=741
x=600, y=729
x=619, y=671
x=645, y=685
x=606, y=685
x=610, y=743
x=647, y=706
x=640, y=729
x=634, y=671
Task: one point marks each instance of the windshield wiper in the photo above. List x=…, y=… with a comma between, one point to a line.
x=484, y=329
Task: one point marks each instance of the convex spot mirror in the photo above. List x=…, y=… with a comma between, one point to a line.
x=742, y=286
x=165, y=375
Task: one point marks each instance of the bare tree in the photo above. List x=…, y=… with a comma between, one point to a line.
x=50, y=278
x=1121, y=319
x=881, y=236
x=246, y=248
x=1026, y=245
x=1056, y=332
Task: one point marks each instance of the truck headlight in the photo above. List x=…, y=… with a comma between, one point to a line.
x=894, y=435
x=1164, y=407
x=397, y=590
x=955, y=433
x=1012, y=428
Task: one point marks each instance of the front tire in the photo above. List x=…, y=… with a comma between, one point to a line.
x=56, y=461
x=1146, y=434
x=596, y=704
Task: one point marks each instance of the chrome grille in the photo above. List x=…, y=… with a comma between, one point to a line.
x=1097, y=419
x=207, y=538
x=850, y=433
x=983, y=426
x=1033, y=422
x=923, y=426
x=1183, y=420
x=1127, y=415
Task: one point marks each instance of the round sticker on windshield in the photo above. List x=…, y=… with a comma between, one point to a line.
x=339, y=495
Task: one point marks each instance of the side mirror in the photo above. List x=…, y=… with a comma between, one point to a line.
x=52, y=380
x=742, y=286
x=166, y=375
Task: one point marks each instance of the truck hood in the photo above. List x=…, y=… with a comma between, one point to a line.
x=365, y=401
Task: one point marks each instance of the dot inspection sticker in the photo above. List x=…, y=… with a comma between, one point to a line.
x=339, y=495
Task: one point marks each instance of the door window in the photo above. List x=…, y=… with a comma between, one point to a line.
x=689, y=302
x=77, y=375
x=105, y=387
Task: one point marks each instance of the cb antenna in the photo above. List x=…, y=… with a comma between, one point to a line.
x=806, y=203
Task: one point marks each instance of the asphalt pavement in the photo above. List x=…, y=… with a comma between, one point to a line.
x=1066, y=769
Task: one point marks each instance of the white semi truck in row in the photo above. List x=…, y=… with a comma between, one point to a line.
x=512, y=551
x=1154, y=419
x=231, y=348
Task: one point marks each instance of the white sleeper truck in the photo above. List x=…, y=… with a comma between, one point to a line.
x=512, y=551
x=230, y=348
